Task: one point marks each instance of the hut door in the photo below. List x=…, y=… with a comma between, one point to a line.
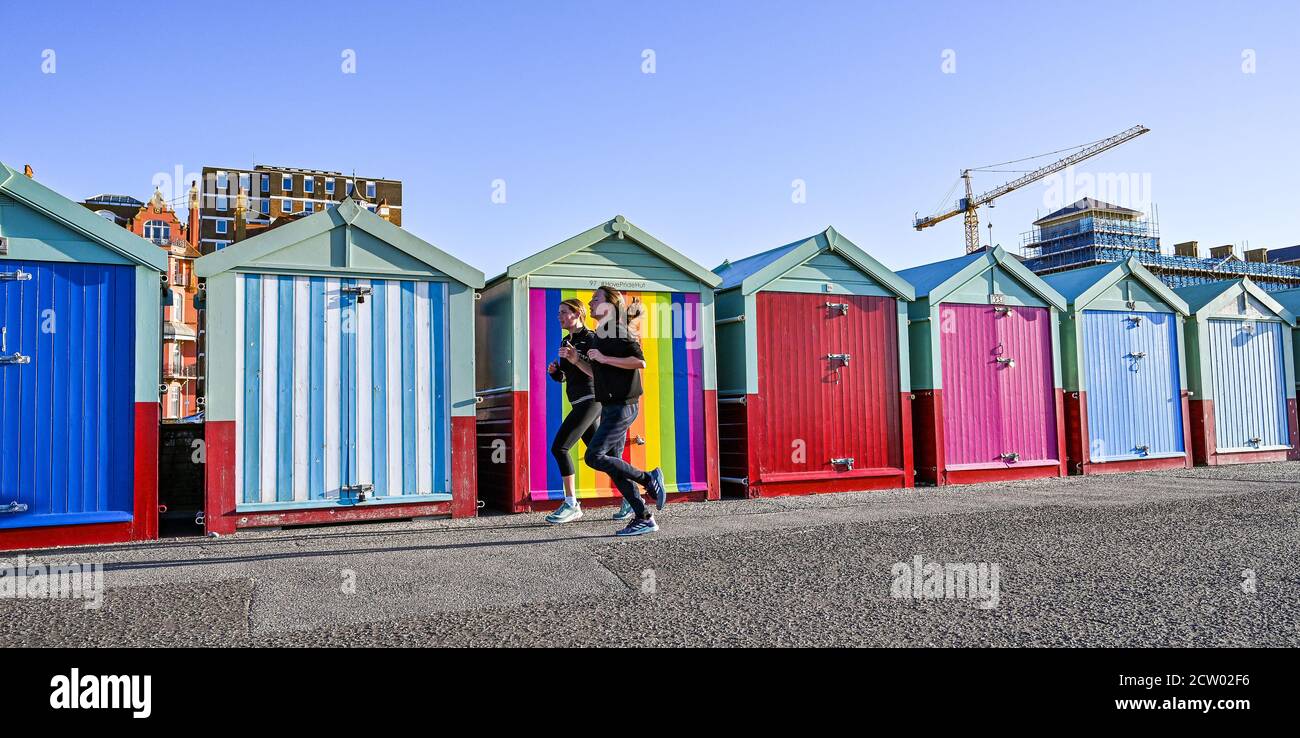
x=669, y=429
x=343, y=390
x=67, y=385
x=1023, y=362
x=1130, y=375
x=828, y=379
x=1249, y=384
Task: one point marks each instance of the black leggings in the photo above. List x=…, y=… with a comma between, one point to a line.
x=579, y=423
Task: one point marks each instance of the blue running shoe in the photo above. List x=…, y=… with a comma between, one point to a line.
x=625, y=512
x=565, y=513
x=655, y=486
x=638, y=528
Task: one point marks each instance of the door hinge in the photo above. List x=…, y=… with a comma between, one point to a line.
x=16, y=276
x=846, y=462
x=13, y=507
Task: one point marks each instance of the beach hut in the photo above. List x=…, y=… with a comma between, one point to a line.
x=521, y=408
x=80, y=315
x=339, y=375
x=1241, y=371
x=1124, y=371
x=813, y=378
x=983, y=334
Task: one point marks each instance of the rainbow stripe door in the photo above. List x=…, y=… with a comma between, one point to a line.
x=341, y=390
x=999, y=403
x=669, y=432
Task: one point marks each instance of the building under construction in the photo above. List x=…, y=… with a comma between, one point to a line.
x=1094, y=232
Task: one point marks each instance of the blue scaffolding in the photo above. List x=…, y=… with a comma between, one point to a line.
x=1081, y=236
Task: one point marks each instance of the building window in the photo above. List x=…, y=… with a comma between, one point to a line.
x=266, y=183
x=221, y=226
x=158, y=231
x=221, y=202
x=286, y=205
x=221, y=244
x=329, y=185
x=370, y=190
x=223, y=181
x=173, y=402
x=349, y=188
x=245, y=182
x=266, y=206
x=286, y=183
x=309, y=185
x=178, y=316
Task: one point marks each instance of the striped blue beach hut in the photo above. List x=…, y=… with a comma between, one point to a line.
x=334, y=391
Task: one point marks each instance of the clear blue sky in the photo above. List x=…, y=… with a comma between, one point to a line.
x=747, y=97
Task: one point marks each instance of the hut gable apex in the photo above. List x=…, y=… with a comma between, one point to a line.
x=756, y=272
x=345, y=238
x=936, y=282
x=1237, y=298
x=614, y=239
x=68, y=225
x=1082, y=287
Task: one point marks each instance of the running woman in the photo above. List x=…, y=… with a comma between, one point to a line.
x=616, y=361
x=584, y=411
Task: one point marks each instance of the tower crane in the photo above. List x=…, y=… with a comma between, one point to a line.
x=968, y=204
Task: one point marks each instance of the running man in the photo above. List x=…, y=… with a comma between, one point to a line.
x=616, y=361
x=584, y=411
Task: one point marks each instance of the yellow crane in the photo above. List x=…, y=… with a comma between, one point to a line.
x=968, y=204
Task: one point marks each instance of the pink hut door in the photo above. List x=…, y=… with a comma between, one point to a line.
x=999, y=406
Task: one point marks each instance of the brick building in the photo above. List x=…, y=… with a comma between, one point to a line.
x=279, y=194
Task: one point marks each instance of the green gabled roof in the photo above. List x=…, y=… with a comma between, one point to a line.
x=346, y=213
x=1081, y=286
x=618, y=227
x=755, y=272
x=1204, y=299
x=51, y=204
x=938, y=280
x=1289, y=299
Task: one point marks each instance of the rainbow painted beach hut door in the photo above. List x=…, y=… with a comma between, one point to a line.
x=669, y=431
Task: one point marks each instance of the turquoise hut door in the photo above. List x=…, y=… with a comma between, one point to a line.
x=342, y=388
x=1249, y=384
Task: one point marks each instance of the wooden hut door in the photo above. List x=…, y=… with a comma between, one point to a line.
x=1249, y=384
x=1130, y=373
x=342, y=388
x=828, y=383
x=67, y=393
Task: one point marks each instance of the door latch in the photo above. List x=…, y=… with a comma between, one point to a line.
x=1003, y=309
x=1142, y=450
x=6, y=358
x=1010, y=457
x=16, y=276
x=1008, y=363
x=13, y=507
x=1255, y=441
x=1138, y=355
x=841, y=358
x=1135, y=319
x=638, y=440
x=842, y=307
x=359, y=491
x=845, y=462
x=359, y=291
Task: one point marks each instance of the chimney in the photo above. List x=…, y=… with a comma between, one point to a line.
x=27, y=169
x=241, y=209
x=1257, y=255
x=1222, y=252
x=1188, y=248
x=192, y=227
x=383, y=210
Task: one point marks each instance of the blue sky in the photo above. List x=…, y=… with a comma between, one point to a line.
x=746, y=98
